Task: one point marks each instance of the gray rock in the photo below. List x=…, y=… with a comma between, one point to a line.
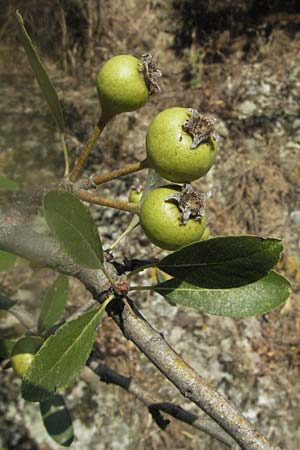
x=295, y=216
x=247, y=108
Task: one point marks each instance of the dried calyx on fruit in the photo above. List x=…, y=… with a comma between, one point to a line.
x=190, y=203
x=200, y=127
x=124, y=83
x=151, y=73
x=172, y=216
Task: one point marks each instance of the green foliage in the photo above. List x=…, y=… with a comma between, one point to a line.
x=57, y=420
x=251, y=299
x=53, y=304
x=226, y=276
x=41, y=74
x=7, y=261
x=223, y=262
x=73, y=226
x=62, y=357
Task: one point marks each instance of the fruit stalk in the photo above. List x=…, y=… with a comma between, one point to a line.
x=77, y=171
x=117, y=204
x=130, y=168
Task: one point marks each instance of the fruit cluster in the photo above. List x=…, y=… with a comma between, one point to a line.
x=181, y=147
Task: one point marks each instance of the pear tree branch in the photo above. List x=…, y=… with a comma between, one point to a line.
x=46, y=252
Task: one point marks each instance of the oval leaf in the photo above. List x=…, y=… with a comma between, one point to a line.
x=252, y=299
x=7, y=260
x=41, y=74
x=73, y=226
x=7, y=184
x=62, y=357
x=57, y=420
x=53, y=304
x=223, y=262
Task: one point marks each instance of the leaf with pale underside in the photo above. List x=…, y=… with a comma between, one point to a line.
x=40, y=74
x=57, y=420
x=62, y=357
x=223, y=262
x=252, y=299
x=73, y=226
x=53, y=304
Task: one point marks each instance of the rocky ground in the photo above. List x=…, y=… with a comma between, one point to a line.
x=250, y=81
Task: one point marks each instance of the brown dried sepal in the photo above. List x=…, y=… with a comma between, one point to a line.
x=190, y=203
x=151, y=73
x=200, y=127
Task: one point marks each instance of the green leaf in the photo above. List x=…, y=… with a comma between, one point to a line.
x=6, y=346
x=7, y=260
x=40, y=74
x=57, y=420
x=73, y=226
x=223, y=262
x=62, y=357
x=252, y=299
x=53, y=304
x=7, y=184
x=6, y=303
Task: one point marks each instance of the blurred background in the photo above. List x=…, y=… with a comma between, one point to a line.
x=236, y=60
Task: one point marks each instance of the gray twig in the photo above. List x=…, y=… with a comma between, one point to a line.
x=155, y=407
x=45, y=251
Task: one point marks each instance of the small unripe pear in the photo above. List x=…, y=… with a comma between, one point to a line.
x=171, y=149
x=161, y=220
x=135, y=195
x=23, y=353
x=121, y=85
